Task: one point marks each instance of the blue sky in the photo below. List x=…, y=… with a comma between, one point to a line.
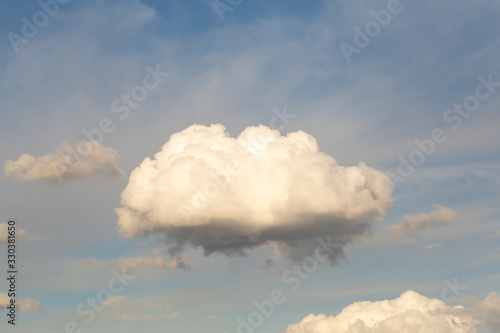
x=261, y=57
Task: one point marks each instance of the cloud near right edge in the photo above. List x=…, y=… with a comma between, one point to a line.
x=227, y=195
x=410, y=313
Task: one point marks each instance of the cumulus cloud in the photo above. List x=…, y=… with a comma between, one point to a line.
x=26, y=304
x=129, y=317
x=68, y=162
x=205, y=188
x=413, y=225
x=131, y=263
x=4, y=233
x=410, y=313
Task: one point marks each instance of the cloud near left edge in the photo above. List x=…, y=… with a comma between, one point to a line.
x=68, y=162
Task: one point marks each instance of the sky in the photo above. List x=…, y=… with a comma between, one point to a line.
x=251, y=166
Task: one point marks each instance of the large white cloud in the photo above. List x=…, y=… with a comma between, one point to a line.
x=410, y=313
x=205, y=188
x=68, y=162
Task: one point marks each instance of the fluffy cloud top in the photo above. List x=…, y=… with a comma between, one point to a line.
x=68, y=162
x=410, y=313
x=414, y=225
x=26, y=304
x=205, y=188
